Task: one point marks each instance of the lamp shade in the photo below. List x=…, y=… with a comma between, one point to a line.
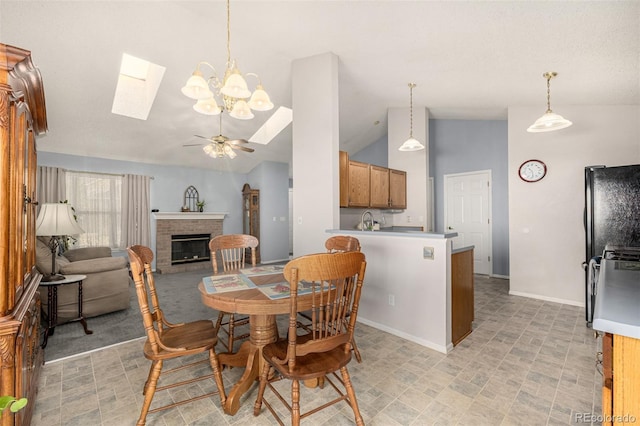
x=207, y=106
x=197, y=87
x=241, y=111
x=235, y=86
x=548, y=122
x=411, y=144
x=260, y=100
x=57, y=220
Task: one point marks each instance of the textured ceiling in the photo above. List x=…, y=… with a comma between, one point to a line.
x=470, y=60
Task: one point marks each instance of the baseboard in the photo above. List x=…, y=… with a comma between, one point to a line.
x=414, y=339
x=275, y=261
x=546, y=298
x=503, y=277
x=93, y=350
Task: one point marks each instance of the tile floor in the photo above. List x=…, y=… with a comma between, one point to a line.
x=527, y=362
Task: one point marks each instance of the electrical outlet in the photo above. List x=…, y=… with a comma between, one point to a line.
x=392, y=300
x=408, y=219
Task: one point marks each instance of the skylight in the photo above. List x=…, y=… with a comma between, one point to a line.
x=274, y=125
x=138, y=84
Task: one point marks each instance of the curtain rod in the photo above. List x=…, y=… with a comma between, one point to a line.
x=100, y=173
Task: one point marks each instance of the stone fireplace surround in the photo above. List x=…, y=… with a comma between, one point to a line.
x=168, y=224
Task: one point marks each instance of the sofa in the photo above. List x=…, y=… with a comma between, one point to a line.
x=106, y=288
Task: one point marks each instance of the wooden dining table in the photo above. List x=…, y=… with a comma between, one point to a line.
x=262, y=312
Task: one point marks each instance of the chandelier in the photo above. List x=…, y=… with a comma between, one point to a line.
x=232, y=89
x=411, y=144
x=549, y=120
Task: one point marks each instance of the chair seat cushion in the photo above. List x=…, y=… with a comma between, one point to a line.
x=309, y=366
x=191, y=337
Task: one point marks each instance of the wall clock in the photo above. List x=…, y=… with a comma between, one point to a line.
x=532, y=170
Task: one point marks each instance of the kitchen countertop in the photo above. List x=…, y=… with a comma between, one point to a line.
x=617, y=307
x=382, y=232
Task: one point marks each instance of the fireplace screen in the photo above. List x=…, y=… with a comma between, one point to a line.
x=190, y=248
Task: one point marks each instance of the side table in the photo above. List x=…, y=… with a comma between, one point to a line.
x=52, y=308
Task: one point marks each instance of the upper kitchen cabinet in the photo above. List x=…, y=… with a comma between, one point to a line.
x=366, y=185
x=379, y=187
x=397, y=189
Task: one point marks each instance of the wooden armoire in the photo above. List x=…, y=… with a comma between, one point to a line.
x=22, y=117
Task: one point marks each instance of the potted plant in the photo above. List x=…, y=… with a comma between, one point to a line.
x=201, y=205
x=12, y=403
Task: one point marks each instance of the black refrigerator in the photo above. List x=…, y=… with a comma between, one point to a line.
x=612, y=216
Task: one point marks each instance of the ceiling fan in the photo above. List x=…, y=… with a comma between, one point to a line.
x=221, y=146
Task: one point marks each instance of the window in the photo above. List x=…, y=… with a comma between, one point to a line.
x=96, y=199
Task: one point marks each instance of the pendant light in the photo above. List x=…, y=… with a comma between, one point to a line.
x=411, y=144
x=549, y=121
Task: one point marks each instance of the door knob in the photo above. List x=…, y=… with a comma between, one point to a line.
x=450, y=227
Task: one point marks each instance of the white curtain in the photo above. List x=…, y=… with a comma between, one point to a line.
x=51, y=185
x=136, y=226
x=97, y=201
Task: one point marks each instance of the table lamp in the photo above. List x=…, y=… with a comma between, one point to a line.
x=55, y=221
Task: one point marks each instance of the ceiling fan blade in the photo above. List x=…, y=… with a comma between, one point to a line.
x=238, y=141
x=192, y=144
x=242, y=148
x=198, y=136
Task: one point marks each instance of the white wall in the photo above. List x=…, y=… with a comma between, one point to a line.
x=421, y=288
x=415, y=163
x=546, y=231
x=315, y=151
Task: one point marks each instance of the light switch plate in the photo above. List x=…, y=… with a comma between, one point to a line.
x=427, y=252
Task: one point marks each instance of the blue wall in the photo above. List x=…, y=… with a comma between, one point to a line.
x=459, y=146
x=222, y=192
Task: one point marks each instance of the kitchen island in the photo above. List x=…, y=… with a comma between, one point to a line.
x=407, y=286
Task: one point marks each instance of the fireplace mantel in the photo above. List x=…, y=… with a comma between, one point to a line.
x=189, y=215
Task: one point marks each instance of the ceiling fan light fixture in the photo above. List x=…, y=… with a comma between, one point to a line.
x=549, y=121
x=411, y=144
x=207, y=106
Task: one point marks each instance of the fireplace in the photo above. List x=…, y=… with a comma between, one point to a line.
x=187, y=248
x=192, y=225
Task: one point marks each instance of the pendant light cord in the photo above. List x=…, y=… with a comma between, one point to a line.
x=549, y=93
x=228, y=33
x=411, y=86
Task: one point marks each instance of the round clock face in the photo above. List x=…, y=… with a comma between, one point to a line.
x=532, y=170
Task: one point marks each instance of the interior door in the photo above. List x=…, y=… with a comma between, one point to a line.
x=467, y=212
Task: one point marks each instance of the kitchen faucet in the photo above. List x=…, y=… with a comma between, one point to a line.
x=370, y=221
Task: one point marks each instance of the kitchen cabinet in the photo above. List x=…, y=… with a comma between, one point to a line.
x=462, y=301
x=367, y=185
x=22, y=118
x=358, y=184
x=379, y=187
x=621, y=378
x=397, y=189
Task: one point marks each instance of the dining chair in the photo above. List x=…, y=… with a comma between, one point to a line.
x=167, y=341
x=334, y=283
x=338, y=244
x=232, y=249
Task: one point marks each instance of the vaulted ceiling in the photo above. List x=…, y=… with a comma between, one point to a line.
x=470, y=60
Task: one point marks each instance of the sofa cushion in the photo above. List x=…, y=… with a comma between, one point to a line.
x=92, y=266
x=85, y=253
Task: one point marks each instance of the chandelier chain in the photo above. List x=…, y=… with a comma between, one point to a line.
x=549, y=93
x=228, y=33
